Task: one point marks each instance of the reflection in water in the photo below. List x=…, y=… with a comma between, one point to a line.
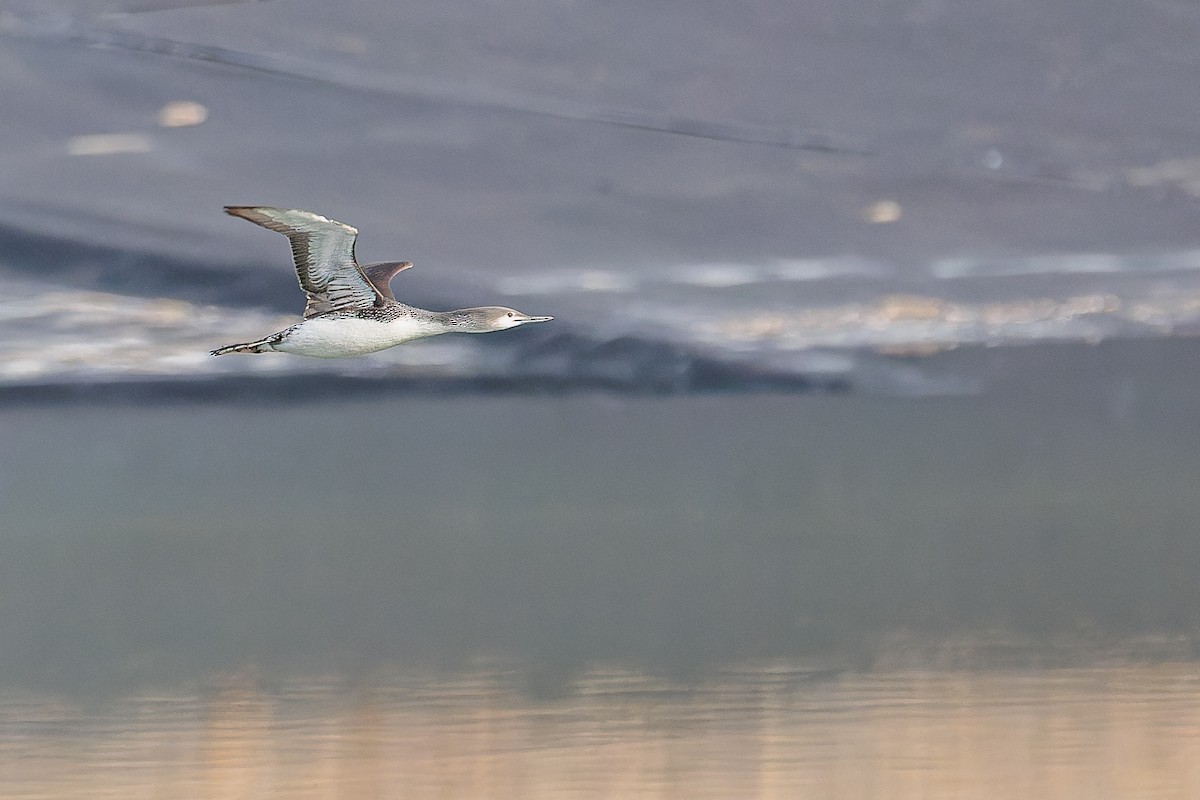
x=887, y=541
x=770, y=732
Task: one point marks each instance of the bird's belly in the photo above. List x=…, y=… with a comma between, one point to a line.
x=337, y=337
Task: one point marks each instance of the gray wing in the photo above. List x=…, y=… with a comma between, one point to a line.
x=324, y=253
x=380, y=276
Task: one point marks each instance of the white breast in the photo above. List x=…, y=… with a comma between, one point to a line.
x=337, y=337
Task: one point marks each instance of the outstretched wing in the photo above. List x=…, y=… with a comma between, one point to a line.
x=324, y=253
x=380, y=276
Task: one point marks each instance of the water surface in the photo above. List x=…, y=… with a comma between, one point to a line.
x=767, y=731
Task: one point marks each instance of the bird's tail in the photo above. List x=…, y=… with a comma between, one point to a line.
x=261, y=346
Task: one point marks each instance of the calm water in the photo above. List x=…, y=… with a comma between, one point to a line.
x=726, y=595
x=1116, y=731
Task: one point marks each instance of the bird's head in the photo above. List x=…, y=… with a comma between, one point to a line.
x=489, y=318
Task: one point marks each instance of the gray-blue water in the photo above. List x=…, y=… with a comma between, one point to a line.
x=858, y=461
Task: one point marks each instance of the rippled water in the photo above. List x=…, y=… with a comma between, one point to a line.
x=768, y=731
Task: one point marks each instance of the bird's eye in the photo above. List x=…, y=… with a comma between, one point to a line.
x=510, y=313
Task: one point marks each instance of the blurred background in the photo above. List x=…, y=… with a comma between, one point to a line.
x=859, y=459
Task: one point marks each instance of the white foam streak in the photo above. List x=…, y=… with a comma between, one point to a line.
x=709, y=275
x=53, y=334
x=567, y=281
x=107, y=144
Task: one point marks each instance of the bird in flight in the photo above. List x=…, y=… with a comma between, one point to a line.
x=351, y=309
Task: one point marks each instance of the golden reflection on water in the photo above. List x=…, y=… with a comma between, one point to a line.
x=1107, y=732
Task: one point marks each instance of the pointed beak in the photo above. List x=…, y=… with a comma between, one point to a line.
x=537, y=319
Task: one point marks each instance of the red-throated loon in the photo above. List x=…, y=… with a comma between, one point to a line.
x=351, y=309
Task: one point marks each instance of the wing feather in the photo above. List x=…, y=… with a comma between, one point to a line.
x=380, y=276
x=323, y=250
